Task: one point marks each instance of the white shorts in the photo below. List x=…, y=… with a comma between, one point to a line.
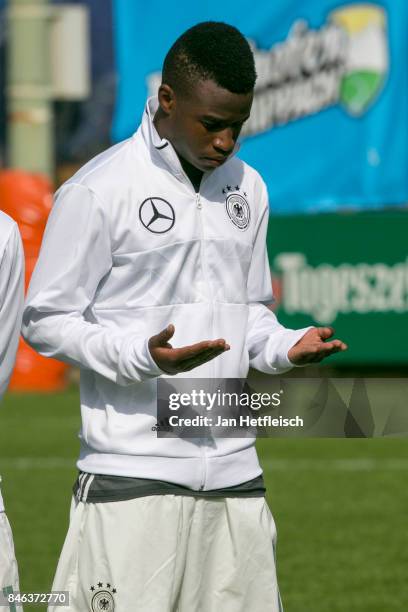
x=8, y=563
x=170, y=553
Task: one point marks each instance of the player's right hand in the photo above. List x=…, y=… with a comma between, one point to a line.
x=174, y=360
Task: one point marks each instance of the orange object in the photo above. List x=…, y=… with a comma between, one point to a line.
x=27, y=198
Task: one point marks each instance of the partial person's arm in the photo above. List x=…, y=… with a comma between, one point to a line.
x=74, y=258
x=273, y=348
x=11, y=304
x=268, y=342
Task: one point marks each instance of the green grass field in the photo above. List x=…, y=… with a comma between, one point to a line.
x=341, y=507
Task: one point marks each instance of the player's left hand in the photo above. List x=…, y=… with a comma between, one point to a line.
x=313, y=346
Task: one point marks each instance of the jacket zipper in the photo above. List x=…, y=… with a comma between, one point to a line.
x=209, y=296
x=204, y=269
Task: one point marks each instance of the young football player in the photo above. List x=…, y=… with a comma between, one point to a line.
x=154, y=264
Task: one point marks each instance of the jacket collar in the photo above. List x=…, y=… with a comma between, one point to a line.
x=161, y=146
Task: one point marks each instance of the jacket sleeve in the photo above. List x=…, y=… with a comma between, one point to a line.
x=267, y=341
x=75, y=257
x=11, y=304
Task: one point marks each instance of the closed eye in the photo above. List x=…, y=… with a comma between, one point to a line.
x=212, y=126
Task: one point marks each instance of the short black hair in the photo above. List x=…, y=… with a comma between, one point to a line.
x=210, y=50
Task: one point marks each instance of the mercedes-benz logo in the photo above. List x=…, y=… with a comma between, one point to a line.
x=157, y=215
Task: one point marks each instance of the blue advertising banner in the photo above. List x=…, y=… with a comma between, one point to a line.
x=329, y=124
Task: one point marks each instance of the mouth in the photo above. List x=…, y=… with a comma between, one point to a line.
x=214, y=161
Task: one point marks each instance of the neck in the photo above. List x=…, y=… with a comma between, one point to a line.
x=162, y=128
x=194, y=174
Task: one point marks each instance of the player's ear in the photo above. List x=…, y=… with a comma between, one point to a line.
x=167, y=98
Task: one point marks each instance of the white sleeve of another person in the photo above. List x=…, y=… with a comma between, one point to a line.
x=11, y=304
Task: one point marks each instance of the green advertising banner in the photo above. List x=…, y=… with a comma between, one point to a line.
x=348, y=271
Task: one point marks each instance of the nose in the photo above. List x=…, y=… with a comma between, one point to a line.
x=224, y=141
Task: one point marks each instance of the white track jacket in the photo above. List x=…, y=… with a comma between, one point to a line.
x=129, y=248
x=11, y=299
